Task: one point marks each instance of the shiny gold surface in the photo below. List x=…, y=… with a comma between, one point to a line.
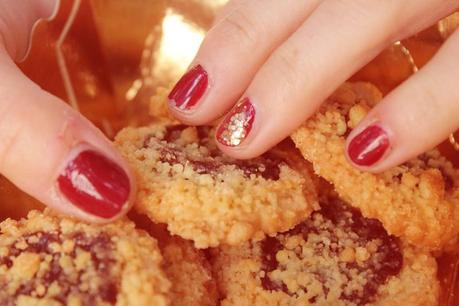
x=118, y=52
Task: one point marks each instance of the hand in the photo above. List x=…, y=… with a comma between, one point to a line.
x=46, y=148
x=281, y=59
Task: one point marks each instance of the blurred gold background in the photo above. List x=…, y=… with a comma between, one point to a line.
x=118, y=53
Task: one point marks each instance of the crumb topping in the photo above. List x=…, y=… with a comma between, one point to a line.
x=187, y=268
x=417, y=201
x=51, y=260
x=208, y=197
x=210, y=160
x=336, y=253
x=335, y=257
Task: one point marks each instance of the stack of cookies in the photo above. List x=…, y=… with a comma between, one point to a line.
x=296, y=226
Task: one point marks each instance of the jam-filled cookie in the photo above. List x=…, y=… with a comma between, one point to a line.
x=335, y=257
x=190, y=274
x=187, y=268
x=417, y=201
x=202, y=195
x=46, y=260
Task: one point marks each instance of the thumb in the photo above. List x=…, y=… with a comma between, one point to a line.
x=57, y=156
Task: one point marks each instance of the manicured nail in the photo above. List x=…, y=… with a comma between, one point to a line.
x=95, y=184
x=237, y=124
x=368, y=147
x=189, y=89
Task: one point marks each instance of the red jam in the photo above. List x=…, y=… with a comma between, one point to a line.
x=265, y=166
x=100, y=249
x=385, y=262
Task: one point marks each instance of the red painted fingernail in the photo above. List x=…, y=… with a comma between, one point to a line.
x=95, y=184
x=369, y=146
x=237, y=124
x=189, y=89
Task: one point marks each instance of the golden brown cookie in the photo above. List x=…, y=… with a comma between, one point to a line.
x=46, y=260
x=417, y=201
x=187, y=268
x=185, y=182
x=335, y=257
x=190, y=274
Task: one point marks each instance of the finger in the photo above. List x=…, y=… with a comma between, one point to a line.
x=227, y=9
x=231, y=54
x=415, y=117
x=334, y=42
x=52, y=153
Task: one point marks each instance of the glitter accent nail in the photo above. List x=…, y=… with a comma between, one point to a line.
x=237, y=124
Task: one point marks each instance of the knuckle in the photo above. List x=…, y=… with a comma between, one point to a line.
x=367, y=8
x=429, y=97
x=289, y=63
x=379, y=22
x=368, y=13
x=240, y=28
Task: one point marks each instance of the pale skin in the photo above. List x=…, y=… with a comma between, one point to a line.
x=285, y=56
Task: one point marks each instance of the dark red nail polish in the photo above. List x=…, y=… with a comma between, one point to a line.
x=369, y=146
x=189, y=89
x=95, y=184
x=237, y=124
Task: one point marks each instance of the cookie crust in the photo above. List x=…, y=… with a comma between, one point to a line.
x=187, y=268
x=328, y=264
x=185, y=182
x=50, y=260
x=417, y=201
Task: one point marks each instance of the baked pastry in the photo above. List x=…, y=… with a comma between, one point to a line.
x=190, y=274
x=204, y=196
x=417, y=201
x=187, y=268
x=46, y=260
x=335, y=257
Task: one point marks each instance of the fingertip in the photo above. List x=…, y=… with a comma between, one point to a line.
x=92, y=187
x=368, y=146
x=93, y=182
x=189, y=98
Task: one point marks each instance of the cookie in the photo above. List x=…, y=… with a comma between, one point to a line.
x=335, y=257
x=187, y=268
x=46, y=260
x=204, y=196
x=416, y=201
x=190, y=273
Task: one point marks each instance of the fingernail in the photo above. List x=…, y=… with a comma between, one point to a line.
x=95, y=184
x=237, y=124
x=368, y=147
x=189, y=89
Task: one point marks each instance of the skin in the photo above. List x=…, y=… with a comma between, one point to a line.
x=39, y=133
x=288, y=56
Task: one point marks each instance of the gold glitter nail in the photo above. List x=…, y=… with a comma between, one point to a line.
x=237, y=125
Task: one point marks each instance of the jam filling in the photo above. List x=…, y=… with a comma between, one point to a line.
x=266, y=166
x=339, y=227
x=100, y=249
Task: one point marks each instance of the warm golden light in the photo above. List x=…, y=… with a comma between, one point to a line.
x=179, y=44
x=215, y=4
x=448, y=25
